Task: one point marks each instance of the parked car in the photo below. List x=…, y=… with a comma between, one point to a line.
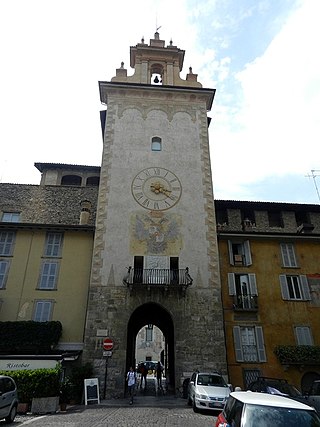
x=207, y=390
x=254, y=409
x=276, y=386
x=313, y=396
x=8, y=399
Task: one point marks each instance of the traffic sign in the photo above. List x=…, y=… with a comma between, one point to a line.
x=107, y=353
x=107, y=344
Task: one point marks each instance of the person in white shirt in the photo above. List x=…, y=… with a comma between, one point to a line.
x=131, y=380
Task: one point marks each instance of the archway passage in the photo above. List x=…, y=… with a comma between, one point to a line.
x=155, y=314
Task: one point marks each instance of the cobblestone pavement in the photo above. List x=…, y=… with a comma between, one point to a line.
x=98, y=416
x=150, y=408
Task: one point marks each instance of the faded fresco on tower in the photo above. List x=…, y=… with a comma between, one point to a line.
x=155, y=234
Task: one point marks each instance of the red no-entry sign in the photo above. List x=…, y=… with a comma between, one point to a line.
x=107, y=344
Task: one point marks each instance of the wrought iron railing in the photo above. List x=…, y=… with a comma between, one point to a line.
x=161, y=277
x=245, y=302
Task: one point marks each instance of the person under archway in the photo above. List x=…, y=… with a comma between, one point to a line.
x=159, y=371
x=144, y=373
x=131, y=380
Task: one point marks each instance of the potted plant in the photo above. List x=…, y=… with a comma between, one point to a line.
x=65, y=393
x=46, y=391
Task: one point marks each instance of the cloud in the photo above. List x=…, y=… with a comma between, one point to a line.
x=276, y=128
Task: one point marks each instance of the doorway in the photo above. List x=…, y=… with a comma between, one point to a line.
x=152, y=314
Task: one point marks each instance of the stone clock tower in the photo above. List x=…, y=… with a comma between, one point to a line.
x=155, y=257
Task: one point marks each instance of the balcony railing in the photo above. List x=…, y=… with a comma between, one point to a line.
x=245, y=302
x=158, y=278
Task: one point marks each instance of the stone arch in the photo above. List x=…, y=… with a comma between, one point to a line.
x=71, y=180
x=156, y=73
x=152, y=313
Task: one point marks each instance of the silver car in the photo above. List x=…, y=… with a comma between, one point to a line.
x=207, y=390
x=8, y=399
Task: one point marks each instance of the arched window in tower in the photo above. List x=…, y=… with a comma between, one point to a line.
x=156, y=144
x=156, y=72
x=93, y=181
x=71, y=180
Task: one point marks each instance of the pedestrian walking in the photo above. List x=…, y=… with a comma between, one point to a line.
x=131, y=381
x=159, y=370
x=144, y=372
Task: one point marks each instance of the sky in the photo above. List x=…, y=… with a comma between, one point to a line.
x=261, y=56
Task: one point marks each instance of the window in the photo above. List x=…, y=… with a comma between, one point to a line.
x=149, y=334
x=11, y=217
x=138, y=269
x=239, y=253
x=53, y=245
x=71, y=180
x=248, y=218
x=49, y=275
x=156, y=144
x=303, y=335
x=288, y=255
x=302, y=217
x=244, y=289
x=93, y=181
x=6, y=242
x=222, y=217
x=249, y=344
x=4, y=268
x=275, y=219
x=43, y=311
x=294, y=287
x=250, y=375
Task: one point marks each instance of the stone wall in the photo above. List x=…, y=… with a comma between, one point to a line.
x=49, y=204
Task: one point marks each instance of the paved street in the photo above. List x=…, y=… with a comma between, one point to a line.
x=150, y=408
x=120, y=416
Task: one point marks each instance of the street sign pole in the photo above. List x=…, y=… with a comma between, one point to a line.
x=107, y=347
x=105, y=379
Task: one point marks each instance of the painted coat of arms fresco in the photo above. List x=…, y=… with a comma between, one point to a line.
x=155, y=235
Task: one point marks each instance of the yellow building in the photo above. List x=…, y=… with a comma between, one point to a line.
x=46, y=242
x=269, y=265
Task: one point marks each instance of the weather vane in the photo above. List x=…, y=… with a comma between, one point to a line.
x=157, y=28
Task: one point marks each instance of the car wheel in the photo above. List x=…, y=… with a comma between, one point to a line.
x=195, y=409
x=10, y=418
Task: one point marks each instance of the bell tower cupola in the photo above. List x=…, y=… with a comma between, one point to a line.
x=156, y=64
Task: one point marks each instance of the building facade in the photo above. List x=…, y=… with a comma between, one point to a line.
x=269, y=263
x=46, y=241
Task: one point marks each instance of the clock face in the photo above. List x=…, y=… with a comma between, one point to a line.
x=156, y=188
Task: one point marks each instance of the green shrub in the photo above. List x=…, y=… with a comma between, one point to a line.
x=29, y=337
x=298, y=354
x=36, y=383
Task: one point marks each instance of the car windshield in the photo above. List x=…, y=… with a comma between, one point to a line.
x=266, y=416
x=283, y=388
x=211, y=380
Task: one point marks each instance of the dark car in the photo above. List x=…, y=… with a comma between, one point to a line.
x=313, y=396
x=277, y=386
x=8, y=399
